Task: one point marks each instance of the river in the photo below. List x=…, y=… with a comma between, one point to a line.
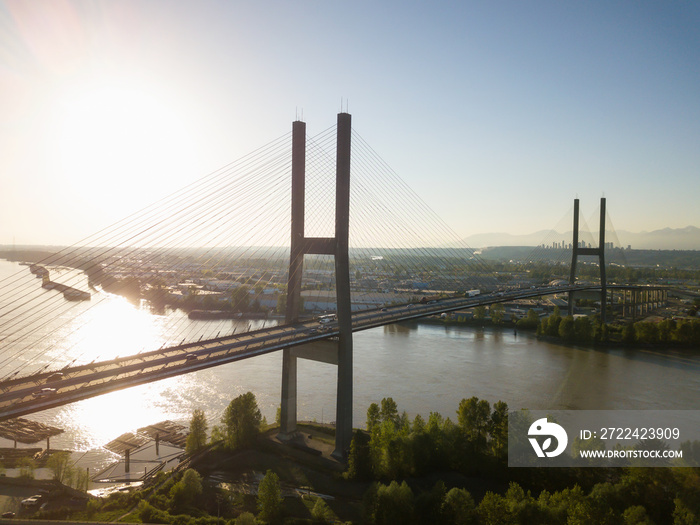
x=424, y=367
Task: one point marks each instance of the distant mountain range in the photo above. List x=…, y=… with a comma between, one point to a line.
x=687, y=238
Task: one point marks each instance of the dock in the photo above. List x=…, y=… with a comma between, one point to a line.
x=148, y=451
x=69, y=292
x=26, y=432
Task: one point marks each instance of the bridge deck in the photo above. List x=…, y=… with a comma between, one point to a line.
x=33, y=393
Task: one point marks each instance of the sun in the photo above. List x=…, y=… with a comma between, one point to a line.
x=129, y=137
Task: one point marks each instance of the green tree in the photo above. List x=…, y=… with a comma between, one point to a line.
x=628, y=334
x=394, y=504
x=552, y=325
x=389, y=411
x=473, y=417
x=428, y=505
x=81, y=479
x=373, y=417
x=197, y=437
x=666, y=327
x=240, y=298
x=246, y=518
x=459, y=508
x=59, y=464
x=480, y=313
x=26, y=467
x=241, y=421
x=321, y=512
x=636, y=515
x=583, y=330
x=359, y=459
x=494, y=510
x=190, y=298
x=439, y=445
x=150, y=514
x=498, y=429
x=521, y=505
x=646, y=332
x=496, y=312
x=530, y=322
x=217, y=434
x=187, y=490
x=566, y=328
x=281, y=303
x=682, y=515
x=269, y=497
x=418, y=424
x=683, y=332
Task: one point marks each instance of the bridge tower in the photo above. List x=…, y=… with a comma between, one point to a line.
x=339, y=353
x=599, y=252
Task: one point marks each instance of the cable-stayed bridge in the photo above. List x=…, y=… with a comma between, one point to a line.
x=373, y=250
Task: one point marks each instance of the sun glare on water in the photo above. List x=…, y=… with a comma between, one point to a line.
x=111, y=328
x=114, y=328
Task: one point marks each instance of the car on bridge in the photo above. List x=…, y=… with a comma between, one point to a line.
x=44, y=392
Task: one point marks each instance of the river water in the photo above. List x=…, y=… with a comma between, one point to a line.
x=423, y=367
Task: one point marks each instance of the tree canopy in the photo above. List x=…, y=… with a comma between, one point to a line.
x=269, y=497
x=241, y=421
x=197, y=437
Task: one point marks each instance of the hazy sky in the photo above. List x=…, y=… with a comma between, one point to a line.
x=498, y=114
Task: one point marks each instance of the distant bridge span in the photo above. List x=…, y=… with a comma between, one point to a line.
x=34, y=393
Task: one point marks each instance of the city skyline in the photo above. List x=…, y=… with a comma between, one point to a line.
x=498, y=116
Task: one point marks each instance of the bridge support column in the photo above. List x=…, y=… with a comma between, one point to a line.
x=343, y=420
x=288, y=408
x=574, y=258
x=338, y=247
x=646, y=301
x=599, y=252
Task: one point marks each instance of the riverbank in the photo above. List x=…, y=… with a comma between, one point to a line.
x=617, y=337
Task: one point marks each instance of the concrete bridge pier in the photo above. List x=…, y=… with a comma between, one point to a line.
x=339, y=353
x=598, y=252
x=637, y=302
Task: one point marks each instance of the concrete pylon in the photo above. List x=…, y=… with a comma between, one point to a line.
x=338, y=247
x=599, y=252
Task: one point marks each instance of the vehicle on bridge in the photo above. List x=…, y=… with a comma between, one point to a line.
x=325, y=319
x=44, y=392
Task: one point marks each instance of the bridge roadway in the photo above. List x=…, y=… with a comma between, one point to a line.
x=40, y=391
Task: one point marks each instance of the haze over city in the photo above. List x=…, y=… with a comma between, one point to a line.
x=498, y=115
